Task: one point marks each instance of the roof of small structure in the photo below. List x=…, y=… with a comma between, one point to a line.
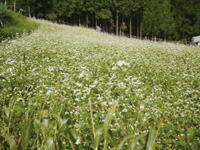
x=196, y=39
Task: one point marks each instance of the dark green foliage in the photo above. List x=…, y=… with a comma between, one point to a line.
x=167, y=19
x=158, y=19
x=186, y=16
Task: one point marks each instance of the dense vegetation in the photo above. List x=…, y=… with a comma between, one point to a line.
x=166, y=19
x=13, y=24
x=57, y=85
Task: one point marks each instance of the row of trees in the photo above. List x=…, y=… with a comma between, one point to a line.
x=165, y=19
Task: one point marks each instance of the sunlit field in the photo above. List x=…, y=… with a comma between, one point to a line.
x=65, y=87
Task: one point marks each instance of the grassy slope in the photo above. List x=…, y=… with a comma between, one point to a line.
x=60, y=68
x=14, y=23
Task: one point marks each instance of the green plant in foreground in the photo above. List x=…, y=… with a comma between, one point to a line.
x=50, y=143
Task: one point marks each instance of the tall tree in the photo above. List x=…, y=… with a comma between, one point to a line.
x=129, y=8
x=78, y=9
x=196, y=19
x=88, y=8
x=169, y=19
x=64, y=9
x=157, y=19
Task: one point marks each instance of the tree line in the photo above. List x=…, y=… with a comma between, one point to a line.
x=176, y=20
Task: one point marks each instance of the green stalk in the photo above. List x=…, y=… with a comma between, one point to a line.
x=10, y=116
x=38, y=141
x=92, y=118
x=107, y=124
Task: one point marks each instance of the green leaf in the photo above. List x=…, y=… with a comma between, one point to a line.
x=63, y=126
x=42, y=147
x=124, y=140
x=107, y=124
x=62, y=122
x=97, y=137
x=3, y=78
x=63, y=129
x=50, y=144
x=71, y=139
x=11, y=141
x=58, y=118
x=112, y=139
x=19, y=108
x=7, y=111
x=151, y=139
x=26, y=135
x=37, y=124
x=135, y=141
x=45, y=123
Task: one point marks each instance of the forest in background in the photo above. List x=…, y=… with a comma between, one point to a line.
x=172, y=20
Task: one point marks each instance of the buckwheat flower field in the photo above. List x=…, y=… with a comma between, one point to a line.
x=65, y=87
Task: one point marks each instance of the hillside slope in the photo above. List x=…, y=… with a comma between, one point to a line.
x=12, y=24
x=67, y=71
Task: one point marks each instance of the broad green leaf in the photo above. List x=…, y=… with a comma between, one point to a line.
x=107, y=124
x=124, y=140
x=7, y=112
x=19, y=108
x=50, y=144
x=26, y=135
x=37, y=124
x=135, y=141
x=42, y=147
x=97, y=138
x=63, y=126
x=58, y=118
x=11, y=141
x=45, y=123
x=140, y=147
x=62, y=122
x=69, y=137
x=151, y=139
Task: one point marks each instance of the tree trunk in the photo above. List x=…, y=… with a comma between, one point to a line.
x=1, y=23
x=5, y=3
x=96, y=23
x=122, y=27
x=130, y=27
x=87, y=19
x=120, y=30
x=14, y=6
x=138, y=28
x=93, y=21
x=155, y=38
x=117, y=23
x=29, y=12
x=79, y=21
x=74, y=20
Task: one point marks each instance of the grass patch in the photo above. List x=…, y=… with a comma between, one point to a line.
x=14, y=24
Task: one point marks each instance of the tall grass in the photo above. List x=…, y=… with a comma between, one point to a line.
x=47, y=142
